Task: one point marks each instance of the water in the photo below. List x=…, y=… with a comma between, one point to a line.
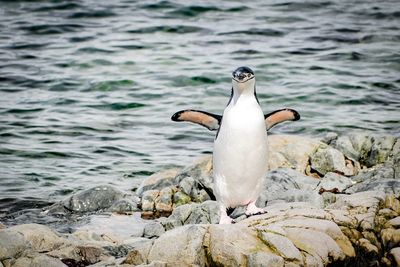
x=87, y=87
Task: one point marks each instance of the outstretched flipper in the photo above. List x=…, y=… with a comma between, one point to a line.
x=212, y=121
x=281, y=115
x=206, y=119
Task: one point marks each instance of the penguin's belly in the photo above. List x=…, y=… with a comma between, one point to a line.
x=240, y=158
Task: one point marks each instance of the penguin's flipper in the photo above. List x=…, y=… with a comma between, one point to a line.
x=206, y=119
x=280, y=115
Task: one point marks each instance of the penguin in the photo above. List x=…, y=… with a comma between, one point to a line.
x=240, y=153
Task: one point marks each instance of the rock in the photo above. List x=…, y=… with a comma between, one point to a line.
x=329, y=138
x=287, y=185
x=380, y=150
x=37, y=260
x=90, y=200
x=2, y=226
x=395, y=223
x=139, y=252
x=282, y=245
x=264, y=259
x=289, y=151
x=181, y=198
x=389, y=186
x=181, y=246
x=163, y=202
x=344, y=145
x=124, y=206
x=395, y=158
x=153, y=229
x=194, y=213
x=148, y=200
x=375, y=173
x=12, y=244
x=395, y=253
x=332, y=180
x=369, y=250
x=390, y=238
x=196, y=180
x=158, y=181
x=40, y=237
x=362, y=144
x=226, y=249
x=327, y=159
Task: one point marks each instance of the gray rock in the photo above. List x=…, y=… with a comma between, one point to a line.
x=390, y=186
x=163, y=202
x=139, y=252
x=182, y=246
x=344, y=145
x=259, y=259
x=153, y=229
x=40, y=237
x=332, y=180
x=194, y=213
x=327, y=159
x=158, y=181
x=37, y=260
x=93, y=199
x=362, y=144
x=329, y=138
x=196, y=180
x=181, y=198
x=378, y=172
x=395, y=158
x=12, y=244
x=380, y=150
x=149, y=200
x=287, y=185
x=124, y=205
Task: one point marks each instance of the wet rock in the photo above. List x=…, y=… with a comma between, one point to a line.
x=181, y=246
x=12, y=244
x=158, y=181
x=194, y=213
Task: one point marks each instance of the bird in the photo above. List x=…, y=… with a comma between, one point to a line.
x=240, y=153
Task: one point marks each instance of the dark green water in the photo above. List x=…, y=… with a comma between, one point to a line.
x=87, y=87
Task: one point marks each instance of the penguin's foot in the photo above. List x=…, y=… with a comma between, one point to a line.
x=226, y=220
x=252, y=209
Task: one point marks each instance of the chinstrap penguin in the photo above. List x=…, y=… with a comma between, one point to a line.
x=240, y=155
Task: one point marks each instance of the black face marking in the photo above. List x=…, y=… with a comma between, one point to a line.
x=242, y=74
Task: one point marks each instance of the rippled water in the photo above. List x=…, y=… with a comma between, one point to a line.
x=87, y=87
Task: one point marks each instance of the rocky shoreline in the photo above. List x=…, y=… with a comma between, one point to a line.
x=331, y=202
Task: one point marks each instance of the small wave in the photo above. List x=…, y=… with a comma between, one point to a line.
x=160, y=5
x=192, y=11
x=92, y=14
x=118, y=106
x=113, y=84
x=168, y=29
x=52, y=29
x=93, y=50
x=62, y=6
x=256, y=31
x=23, y=110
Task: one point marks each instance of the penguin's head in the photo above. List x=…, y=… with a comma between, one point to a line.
x=243, y=79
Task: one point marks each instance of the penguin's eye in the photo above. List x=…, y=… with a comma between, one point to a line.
x=249, y=75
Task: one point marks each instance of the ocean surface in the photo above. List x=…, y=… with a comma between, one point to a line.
x=87, y=88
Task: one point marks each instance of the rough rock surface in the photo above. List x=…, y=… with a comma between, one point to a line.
x=334, y=202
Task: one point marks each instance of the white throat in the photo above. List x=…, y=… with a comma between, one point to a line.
x=243, y=91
